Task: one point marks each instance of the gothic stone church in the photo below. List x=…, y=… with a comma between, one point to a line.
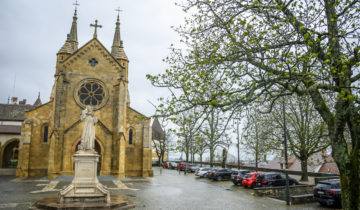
x=89, y=75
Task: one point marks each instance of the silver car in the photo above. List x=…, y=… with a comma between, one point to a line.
x=202, y=172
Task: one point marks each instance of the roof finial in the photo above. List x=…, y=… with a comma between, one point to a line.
x=118, y=10
x=76, y=4
x=95, y=26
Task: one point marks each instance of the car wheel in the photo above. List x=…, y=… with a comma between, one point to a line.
x=252, y=186
x=219, y=178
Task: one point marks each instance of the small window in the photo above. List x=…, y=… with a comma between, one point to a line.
x=130, y=136
x=46, y=134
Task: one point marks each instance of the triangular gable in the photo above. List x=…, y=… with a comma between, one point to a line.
x=92, y=44
x=138, y=113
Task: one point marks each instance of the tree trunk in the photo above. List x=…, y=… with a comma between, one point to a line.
x=256, y=160
x=349, y=167
x=211, y=158
x=304, y=172
x=201, y=160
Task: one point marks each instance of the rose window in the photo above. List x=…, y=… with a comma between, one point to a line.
x=91, y=92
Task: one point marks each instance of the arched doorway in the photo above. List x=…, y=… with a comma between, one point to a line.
x=10, y=155
x=98, y=150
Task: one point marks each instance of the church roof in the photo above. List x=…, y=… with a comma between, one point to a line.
x=157, y=131
x=14, y=112
x=10, y=129
x=68, y=59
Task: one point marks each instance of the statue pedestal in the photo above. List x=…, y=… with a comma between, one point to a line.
x=85, y=191
x=85, y=186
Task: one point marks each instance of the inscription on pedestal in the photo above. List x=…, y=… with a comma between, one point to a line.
x=85, y=190
x=85, y=170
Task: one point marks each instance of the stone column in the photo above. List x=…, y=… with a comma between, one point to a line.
x=147, y=151
x=122, y=157
x=24, y=150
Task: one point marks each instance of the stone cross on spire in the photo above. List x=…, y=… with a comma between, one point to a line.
x=118, y=10
x=76, y=4
x=95, y=26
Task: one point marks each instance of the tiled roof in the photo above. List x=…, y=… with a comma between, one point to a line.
x=14, y=112
x=316, y=163
x=38, y=102
x=10, y=129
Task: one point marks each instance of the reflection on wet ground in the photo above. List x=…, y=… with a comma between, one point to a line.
x=168, y=189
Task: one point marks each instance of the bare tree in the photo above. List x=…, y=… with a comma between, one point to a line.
x=306, y=132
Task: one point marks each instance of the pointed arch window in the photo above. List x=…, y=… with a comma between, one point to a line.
x=130, y=136
x=45, y=133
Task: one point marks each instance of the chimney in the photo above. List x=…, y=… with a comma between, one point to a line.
x=22, y=102
x=14, y=100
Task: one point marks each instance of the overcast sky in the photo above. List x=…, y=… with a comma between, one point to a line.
x=33, y=31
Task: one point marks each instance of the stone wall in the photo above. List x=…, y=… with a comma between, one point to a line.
x=280, y=192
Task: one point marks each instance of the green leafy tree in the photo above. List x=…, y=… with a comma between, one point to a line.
x=240, y=52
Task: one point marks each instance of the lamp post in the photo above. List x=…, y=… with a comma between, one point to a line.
x=286, y=158
x=238, y=142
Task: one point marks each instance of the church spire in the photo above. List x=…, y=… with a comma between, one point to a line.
x=73, y=31
x=117, y=49
x=71, y=44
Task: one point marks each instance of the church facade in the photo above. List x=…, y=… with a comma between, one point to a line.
x=89, y=75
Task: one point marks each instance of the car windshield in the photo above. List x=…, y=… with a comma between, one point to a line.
x=248, y=176
x=323, y=185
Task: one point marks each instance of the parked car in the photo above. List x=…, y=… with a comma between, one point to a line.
x=172, y=165
x=165, y=165
x=328, y=192
x=249, y=179
x=222, y=174
x=274, y=179
x=202, y=172
x=211, y=173
x=155, y=163
x=238, y=175
x=193, y=167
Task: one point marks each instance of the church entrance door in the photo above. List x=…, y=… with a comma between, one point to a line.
x=10, y=155
x=98, y=150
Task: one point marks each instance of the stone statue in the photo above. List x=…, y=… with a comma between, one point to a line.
x=88, y=134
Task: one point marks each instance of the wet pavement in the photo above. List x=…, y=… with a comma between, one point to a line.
x=166, y=190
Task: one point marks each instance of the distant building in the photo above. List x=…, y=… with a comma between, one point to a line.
x=158, y=139
x=11, y=117
x=317, y=163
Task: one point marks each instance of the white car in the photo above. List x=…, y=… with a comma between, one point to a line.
x=201, y=172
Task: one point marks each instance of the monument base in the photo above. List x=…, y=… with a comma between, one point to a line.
x=85, y=186
x=117, y=202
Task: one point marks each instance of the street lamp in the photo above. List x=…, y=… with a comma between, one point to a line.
x=238, y=142
x=286, y=158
